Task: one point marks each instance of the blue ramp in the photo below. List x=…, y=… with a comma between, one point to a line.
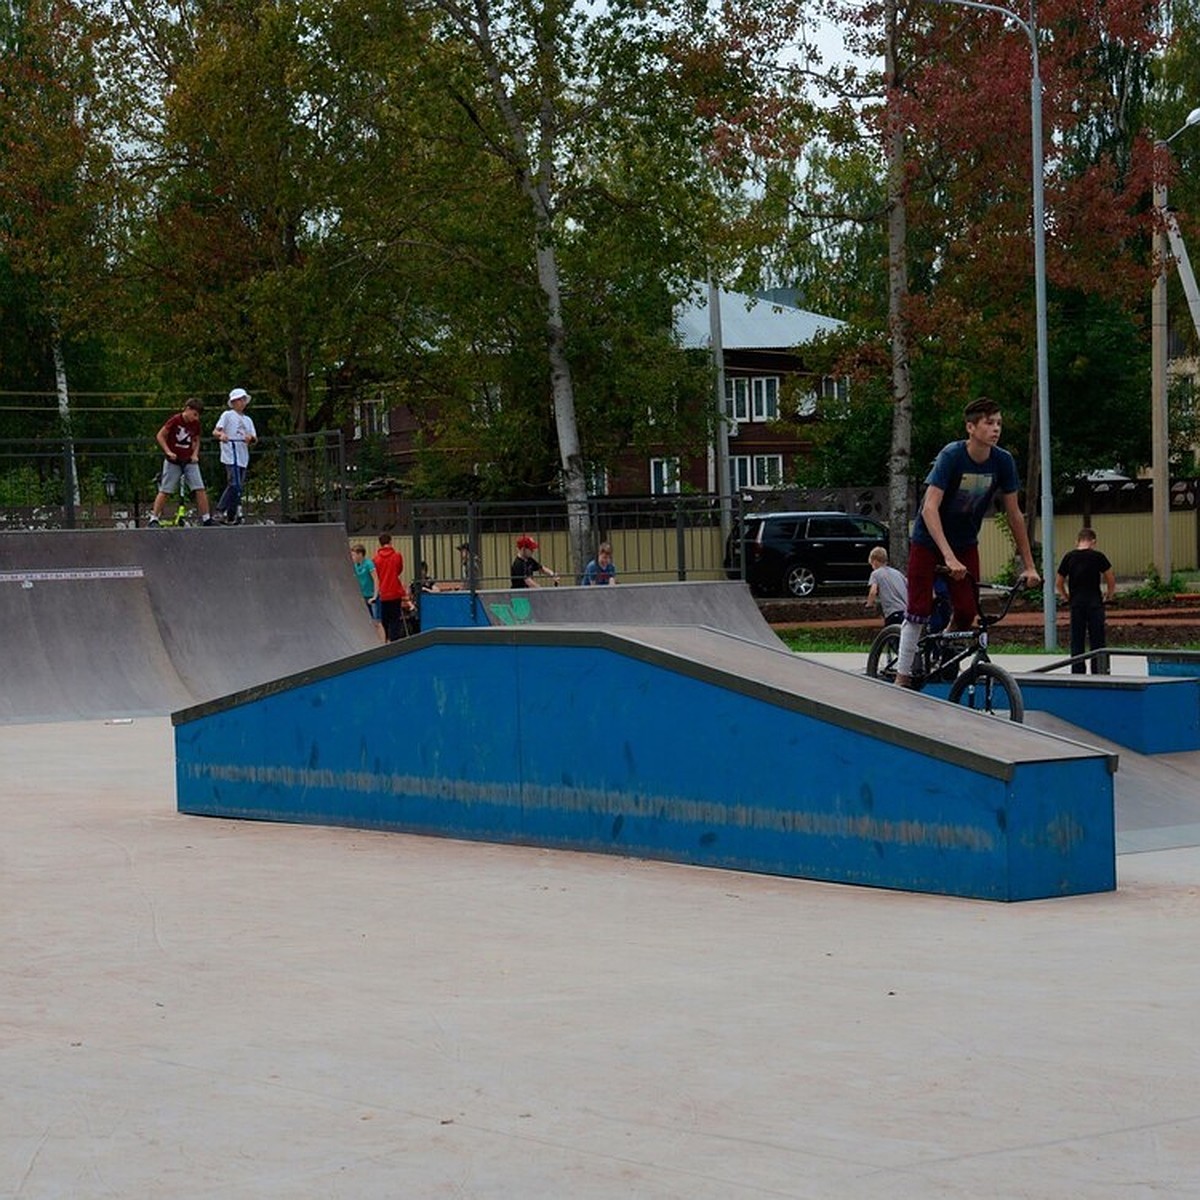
x=680, y=744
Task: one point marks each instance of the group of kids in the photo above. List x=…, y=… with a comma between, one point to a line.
x=961, y=486
x=395, y=612
x=179, y=439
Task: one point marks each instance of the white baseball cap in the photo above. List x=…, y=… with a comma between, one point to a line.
x=239, y=394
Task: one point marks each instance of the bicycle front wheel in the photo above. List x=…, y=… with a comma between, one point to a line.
x=989, y=689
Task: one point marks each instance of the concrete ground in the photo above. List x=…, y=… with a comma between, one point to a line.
x=202, y=1008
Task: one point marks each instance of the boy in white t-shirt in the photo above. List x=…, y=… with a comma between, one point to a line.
x=235, y=431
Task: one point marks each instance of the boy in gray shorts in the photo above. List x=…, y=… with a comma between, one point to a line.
x=180, y=442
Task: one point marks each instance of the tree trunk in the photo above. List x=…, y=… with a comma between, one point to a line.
x=562, y=389
x=900, y=457
x=64, y=409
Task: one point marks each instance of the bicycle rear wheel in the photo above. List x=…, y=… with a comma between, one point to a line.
x=989, y=689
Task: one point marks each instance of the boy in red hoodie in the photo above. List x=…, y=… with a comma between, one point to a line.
x=393, y=598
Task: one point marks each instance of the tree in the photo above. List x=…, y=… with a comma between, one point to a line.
x=945, y=130
x=55, y=191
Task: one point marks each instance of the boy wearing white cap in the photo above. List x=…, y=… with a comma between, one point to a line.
x=236, y=433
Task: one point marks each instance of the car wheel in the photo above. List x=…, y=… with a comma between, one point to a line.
x=800, y=581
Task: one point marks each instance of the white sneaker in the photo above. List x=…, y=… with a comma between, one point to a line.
x=152, y=522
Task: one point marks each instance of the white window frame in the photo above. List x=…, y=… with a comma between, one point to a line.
x=664, y=476
x=370, y=418
x=737, y=398
x=597, y=481
x=828, y=389
x=755, y=472
x=764, y=397
x=766, y=470
x=739, y=473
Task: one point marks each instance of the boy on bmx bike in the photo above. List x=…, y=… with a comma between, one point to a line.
x=962, y=483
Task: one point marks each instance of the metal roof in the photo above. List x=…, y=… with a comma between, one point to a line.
x=748, y=323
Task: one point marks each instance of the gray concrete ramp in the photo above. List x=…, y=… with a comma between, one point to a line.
x=131, y=622
x=726, y=605
x=1157, y=796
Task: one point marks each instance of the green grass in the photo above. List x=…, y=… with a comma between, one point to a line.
x=848, y=641
x=820, y=641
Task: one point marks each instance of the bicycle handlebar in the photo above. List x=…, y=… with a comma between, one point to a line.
x=1010, y=593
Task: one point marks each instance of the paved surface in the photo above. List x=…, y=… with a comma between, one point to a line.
x=195, y=1008
x=130, y=622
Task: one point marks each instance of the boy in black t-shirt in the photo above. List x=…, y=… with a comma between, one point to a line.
x=1078, y=581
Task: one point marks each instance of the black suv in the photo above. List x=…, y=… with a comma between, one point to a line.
x=793, y=553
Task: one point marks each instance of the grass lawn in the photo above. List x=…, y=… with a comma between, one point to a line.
x=846, y=641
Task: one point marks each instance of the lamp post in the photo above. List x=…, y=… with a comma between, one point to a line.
x=1049, y=563
x=1160, y=442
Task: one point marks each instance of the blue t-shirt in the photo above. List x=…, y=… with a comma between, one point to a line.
x=969, y=488
x=594, y=573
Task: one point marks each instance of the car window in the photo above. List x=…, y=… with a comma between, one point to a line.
x=830, y=527
x=783, y=531
x=864, y=527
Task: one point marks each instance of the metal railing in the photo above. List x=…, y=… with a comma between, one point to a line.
x=83, y=483
x=654, y=538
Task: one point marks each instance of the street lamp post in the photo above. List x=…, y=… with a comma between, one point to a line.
x=1160, y=442
x=1049, y=611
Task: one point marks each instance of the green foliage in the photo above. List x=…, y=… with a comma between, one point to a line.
x=1155, y=587
x=25, y=486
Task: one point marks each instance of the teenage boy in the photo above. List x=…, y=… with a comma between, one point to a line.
x=394, y=604
x=180, y=442
x=1078, y=582
x=961, y=486
x=601, y=569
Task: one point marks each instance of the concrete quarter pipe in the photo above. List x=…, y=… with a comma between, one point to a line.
x=132, y=622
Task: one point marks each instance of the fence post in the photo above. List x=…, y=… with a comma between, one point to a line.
x=680, y=541
x=285, y=499
x=343, y=479
x=416, y=547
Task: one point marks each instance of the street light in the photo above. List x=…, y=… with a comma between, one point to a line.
x=110, y=486
x=1160, y=442
x=1049, y=611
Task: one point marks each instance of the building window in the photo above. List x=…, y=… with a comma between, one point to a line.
x=370, y=419
x=755, y=471
x=597, y=480
x=737, y=399
x=752, y=398
x=664, y=476
x=764, y=393
x=827, y=392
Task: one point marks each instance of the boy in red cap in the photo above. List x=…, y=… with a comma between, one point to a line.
x=525, y=566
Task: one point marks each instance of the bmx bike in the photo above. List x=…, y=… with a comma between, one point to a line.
x=980, y=684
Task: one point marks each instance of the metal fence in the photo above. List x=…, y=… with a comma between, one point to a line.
x=111, y=482
x=654, y=538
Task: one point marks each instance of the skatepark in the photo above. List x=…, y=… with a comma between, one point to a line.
x=207, y=1006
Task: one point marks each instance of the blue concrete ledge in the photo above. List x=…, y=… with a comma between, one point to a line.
x=1174, y=662
x=1150, y=715
x=683, y=745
